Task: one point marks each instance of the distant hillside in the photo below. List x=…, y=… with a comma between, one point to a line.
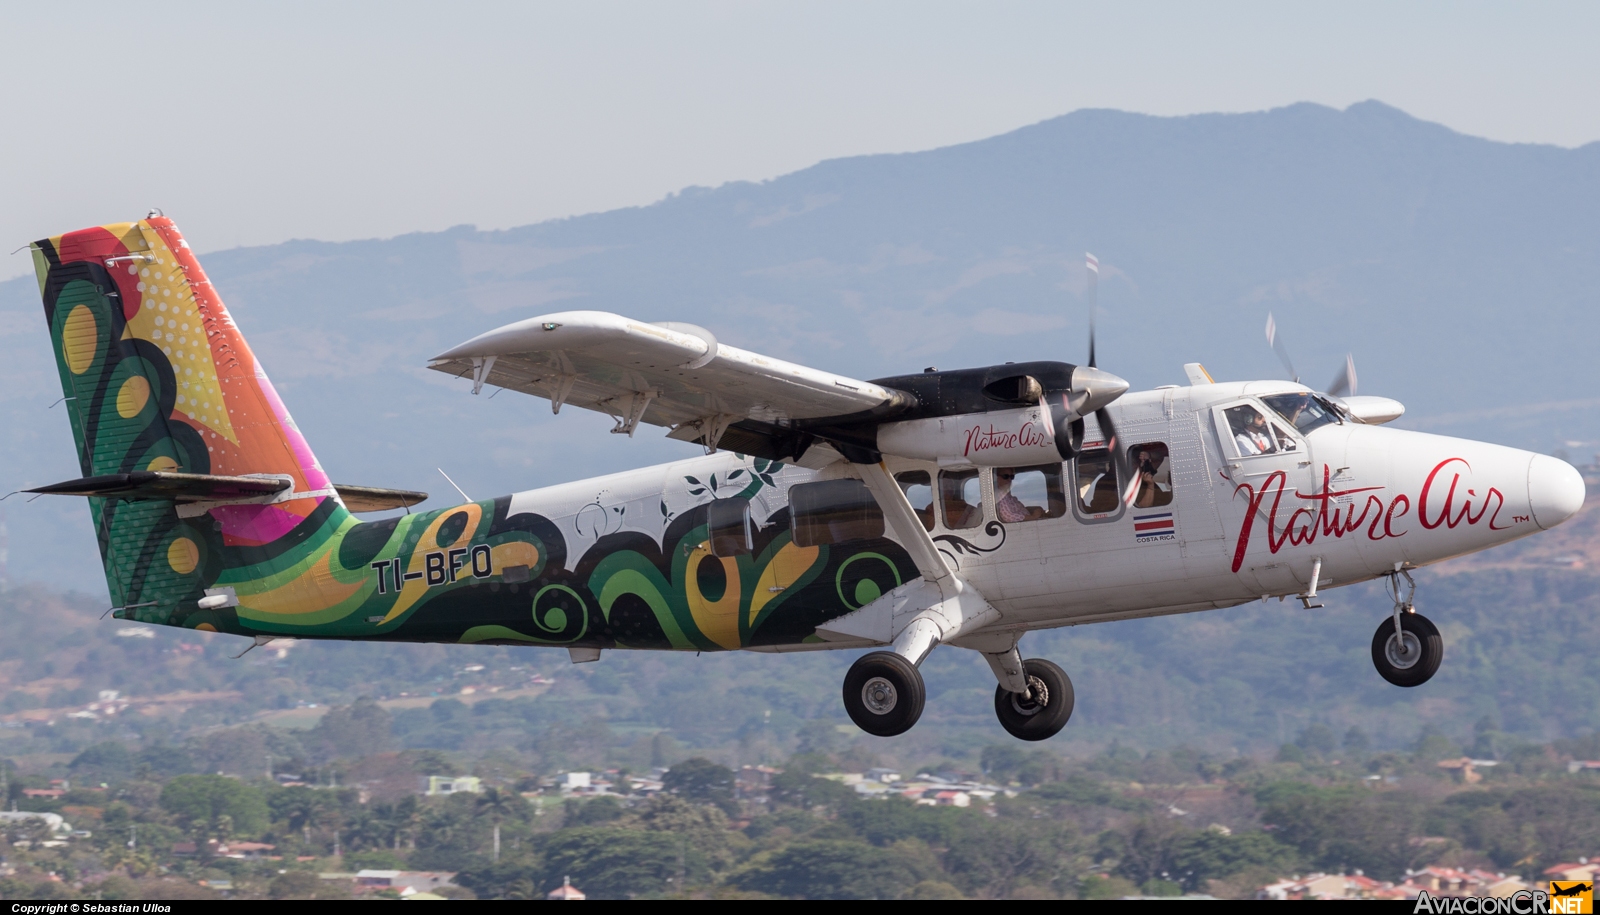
x=1462, y=272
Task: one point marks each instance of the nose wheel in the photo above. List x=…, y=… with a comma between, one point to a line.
x=883, y=693
x=1407, y=647
x=1043, y=710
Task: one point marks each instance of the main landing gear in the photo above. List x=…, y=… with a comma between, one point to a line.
x=1407, y=648
x=1042, y=711
x=884, y=694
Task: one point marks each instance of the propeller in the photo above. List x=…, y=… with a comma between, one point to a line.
x=1106, y=384
x=1343, y=384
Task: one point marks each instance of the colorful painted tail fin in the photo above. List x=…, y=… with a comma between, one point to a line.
x=157, y=377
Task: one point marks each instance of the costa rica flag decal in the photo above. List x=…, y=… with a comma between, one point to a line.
x=1153, y=527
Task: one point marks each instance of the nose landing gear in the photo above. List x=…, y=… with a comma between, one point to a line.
x=1407, y=648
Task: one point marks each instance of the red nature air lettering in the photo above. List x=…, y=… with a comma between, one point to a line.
x=1031, y=435
x=1307, y=517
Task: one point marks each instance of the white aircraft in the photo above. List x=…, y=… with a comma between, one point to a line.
x=962, y=508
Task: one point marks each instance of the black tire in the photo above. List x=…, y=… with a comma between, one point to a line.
x=1042, y=713
x=883, y=693
x=1421, y=637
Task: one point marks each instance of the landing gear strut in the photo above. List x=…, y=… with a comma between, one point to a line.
x=1043, y=710
x=1407, y=648
x=883, y=693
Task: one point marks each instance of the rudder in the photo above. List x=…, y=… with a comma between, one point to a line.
x=158, y=377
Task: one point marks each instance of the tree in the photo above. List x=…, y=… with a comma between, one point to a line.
x=608, y=863
x=832, y=869
x=497, y=806
x=1212, y=855
x=359, y=729
x=215, y=806
x=105, y=760
x=703, y=781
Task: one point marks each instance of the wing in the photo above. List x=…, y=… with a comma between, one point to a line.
x=667, y=374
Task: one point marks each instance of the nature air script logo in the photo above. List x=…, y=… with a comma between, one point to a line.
x=1572, y=897
x=1029, y=435
x=1448, y=499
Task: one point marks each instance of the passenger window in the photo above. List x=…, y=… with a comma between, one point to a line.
x=1251, y=434
x=1151, y=464
x=834, y=511
x=1096, y=482
x=918, y=487
x=732, y=533
x=961, y=498
x=1029, y=493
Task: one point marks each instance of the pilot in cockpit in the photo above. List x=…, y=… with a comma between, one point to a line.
x=1250, y=431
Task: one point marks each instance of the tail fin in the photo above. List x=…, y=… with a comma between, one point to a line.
x=158, y=377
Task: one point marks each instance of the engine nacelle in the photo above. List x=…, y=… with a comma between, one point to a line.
x=998, y=438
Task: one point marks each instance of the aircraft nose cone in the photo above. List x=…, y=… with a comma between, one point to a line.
x=1555, y=490
x=1096, y=387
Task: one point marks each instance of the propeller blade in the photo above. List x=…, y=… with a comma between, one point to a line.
x=1093, y=263
x=1345, y=382
x=1279, y=348
x=1119, y=455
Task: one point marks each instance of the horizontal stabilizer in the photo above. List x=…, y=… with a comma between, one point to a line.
x=176, y=487
x=373, y=499
x=146, y=485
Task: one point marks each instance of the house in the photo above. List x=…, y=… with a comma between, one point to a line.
x=573, y=781
x=886, y=776
x=566, y=891
x=59, y=827
x=951, y=798
x=1583, y=869
x=415, y=881
x=1465, y=770
x=46, y=793
x=250, y=851
x=446, y=784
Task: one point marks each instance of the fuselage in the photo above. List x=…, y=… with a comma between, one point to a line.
x=642, y=559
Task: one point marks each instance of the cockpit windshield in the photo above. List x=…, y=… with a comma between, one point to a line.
x=1303, y=410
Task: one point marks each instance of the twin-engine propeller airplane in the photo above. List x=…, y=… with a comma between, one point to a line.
x=960, y=508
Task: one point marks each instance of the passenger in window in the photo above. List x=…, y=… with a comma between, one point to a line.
x=1006, y=504
x=1155, y=475
x=1250, y=431
x=960, y=499
x=1029, y=493
x=1097, y=482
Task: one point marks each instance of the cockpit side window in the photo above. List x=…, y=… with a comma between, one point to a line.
x=1303, y=411
x=1251, y=433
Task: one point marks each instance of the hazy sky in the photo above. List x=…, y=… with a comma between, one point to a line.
x=253, y=124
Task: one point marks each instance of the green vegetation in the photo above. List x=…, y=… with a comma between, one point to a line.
x=1212, y=752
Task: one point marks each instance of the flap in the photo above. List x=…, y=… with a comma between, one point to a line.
x=373, y=499
x=176, y=487
x=661, y=374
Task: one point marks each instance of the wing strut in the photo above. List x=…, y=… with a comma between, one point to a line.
x=915, y=617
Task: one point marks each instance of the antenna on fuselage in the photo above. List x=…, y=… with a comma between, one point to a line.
x=453, y=483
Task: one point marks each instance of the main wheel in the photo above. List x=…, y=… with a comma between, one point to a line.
x=1044, y=710
x=1411, y=658
x=883, y=693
